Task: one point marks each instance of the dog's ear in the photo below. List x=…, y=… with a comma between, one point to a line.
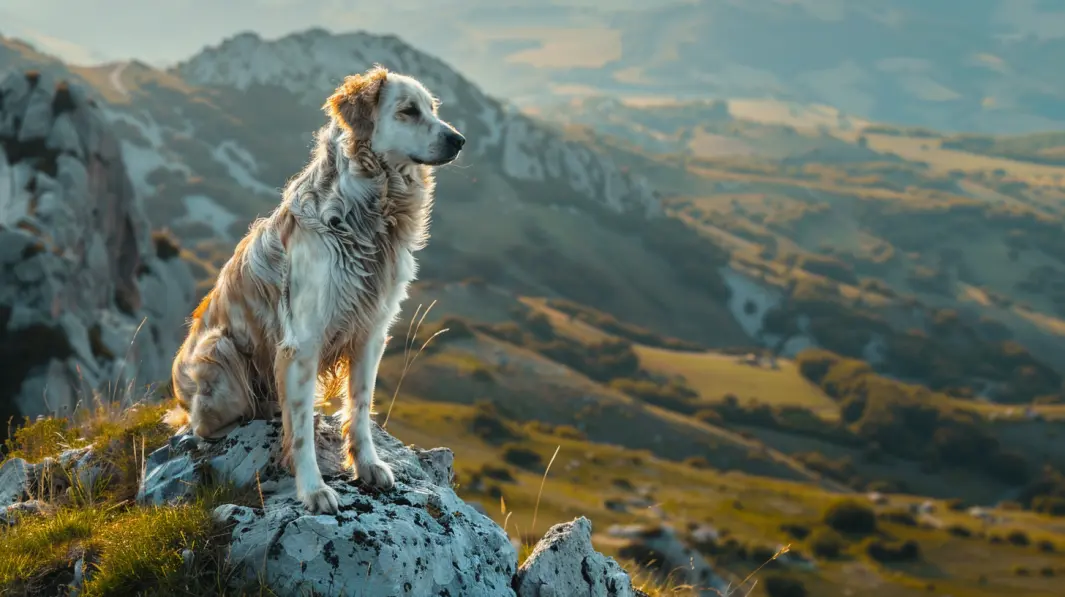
x=354, y=103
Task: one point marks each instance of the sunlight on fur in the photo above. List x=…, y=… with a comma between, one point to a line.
x=303, y=308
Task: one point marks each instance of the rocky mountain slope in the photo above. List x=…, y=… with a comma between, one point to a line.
x=90, y=301
x=985, y=66
x=551, y=211
x=209, y=143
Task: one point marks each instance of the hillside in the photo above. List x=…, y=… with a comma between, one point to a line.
x=881, y=243
x=208, y=152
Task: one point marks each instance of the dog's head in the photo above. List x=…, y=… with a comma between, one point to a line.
x=396, y=115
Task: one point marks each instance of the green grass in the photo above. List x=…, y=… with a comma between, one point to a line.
x=750, y=509
x=715, y=375
x=125, y=549
x=133, y=550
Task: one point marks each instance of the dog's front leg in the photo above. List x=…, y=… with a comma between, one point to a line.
x=357, y=437
x=304, y=319
x=297, y=368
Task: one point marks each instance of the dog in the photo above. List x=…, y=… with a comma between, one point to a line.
x=311, y=291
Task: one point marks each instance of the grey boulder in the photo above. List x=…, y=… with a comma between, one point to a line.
x=564, y=564
x=416, y=539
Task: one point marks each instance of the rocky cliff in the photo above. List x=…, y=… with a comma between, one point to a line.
x=91, y=302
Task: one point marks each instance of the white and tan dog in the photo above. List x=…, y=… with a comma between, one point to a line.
x=311, y=291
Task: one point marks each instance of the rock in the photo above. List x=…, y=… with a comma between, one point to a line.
x=416, y=539
x=658, y=547
x=565, y=564
x=15, y=476
x=170, y=474
x=12, y=514
x=438, y=463
x=85, y=302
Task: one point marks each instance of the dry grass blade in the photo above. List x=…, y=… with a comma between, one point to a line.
x=506, y=520
x=536, y=509
x=125, y=359
x=408, y=359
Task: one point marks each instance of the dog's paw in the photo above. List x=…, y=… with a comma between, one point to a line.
x=375, y=473
x=322, y=500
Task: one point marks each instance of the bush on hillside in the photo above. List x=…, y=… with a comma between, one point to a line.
x=669, y=395
x=827, y=543
x=611, y=325
x=893, y=552
x=522, y=457
x=784, y=585
x=910, y=421
x=490, y=426
x=851, y=516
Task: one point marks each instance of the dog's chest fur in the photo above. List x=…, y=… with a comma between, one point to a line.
x=362, y=231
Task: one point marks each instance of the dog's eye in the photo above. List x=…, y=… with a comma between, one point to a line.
x=411, y=111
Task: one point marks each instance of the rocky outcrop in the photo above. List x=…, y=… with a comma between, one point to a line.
x=90, y=301
x=564, y=563
x=419, y=538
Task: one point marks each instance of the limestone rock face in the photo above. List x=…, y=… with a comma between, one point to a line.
x=90, y=301
x=419, y=538
x=564, y=563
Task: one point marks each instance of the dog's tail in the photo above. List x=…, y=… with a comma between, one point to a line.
x=177, y=417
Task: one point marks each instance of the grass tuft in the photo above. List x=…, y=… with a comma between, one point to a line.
x=124, y=550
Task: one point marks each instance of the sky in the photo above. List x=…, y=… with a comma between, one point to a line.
x=159, y=33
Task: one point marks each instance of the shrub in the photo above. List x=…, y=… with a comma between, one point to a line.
x=709, y=416
x=798, y=531
x=672, y=396
x=888, y=552
x=1050, y=505
x=959, y=530
x=1018, y=538
x=568, y=432
x=827, y=543
x=784, y=585
x=851, y=516
x=761, y=554
x=522, y=457
x=167, y=245
x=482, y=373
x=1046, y=546
x=956, y=505
x=899, y=516
x=814, y=364
x=499, y=473
x=608, y=323
x=488, y=425
x=697, y=462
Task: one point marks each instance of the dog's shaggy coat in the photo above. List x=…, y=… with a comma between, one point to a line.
x=310, y=293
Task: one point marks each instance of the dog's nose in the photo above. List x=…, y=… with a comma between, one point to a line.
x=455, y=140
